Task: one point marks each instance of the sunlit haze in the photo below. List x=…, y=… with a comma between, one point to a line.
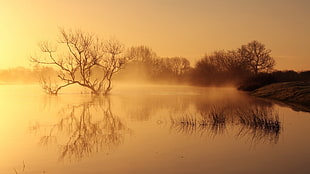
x=170, y=27
x=154, y=86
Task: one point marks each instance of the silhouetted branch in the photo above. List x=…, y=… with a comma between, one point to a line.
x=89, y=61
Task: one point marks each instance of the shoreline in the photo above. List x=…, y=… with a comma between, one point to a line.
x=294, y=94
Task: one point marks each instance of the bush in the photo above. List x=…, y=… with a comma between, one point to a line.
x=262, y=79
x=257, y=81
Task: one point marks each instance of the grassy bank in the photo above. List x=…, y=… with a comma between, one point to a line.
x=296, y=94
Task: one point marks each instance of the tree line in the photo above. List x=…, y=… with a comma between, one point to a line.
x=91, y=62
x=80, y=58
x=146, y=65
x=248, y=67
x=218, y=68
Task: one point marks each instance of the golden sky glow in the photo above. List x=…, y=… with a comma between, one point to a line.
x=188, y=28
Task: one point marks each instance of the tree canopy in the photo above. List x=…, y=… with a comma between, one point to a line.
x=78, y=55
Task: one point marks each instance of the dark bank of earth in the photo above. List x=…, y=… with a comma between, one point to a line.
x=295, y=94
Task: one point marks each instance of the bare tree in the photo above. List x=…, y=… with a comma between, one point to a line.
x=86, y=60
x=220, y=67
x=49, y=86
x=178, y=65
x=257, y=56
x=142, y=54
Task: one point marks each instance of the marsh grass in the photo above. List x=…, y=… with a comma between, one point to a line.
x=259, y=117
x=212, y=122
x=215, y=120
x=258, y=123
x=186, y=124
x=261, y=122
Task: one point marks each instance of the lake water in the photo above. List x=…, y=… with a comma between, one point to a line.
x=149, y=129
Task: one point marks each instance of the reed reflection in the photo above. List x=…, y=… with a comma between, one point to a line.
x=259, y=123
x=85, y=128
x=212, y=122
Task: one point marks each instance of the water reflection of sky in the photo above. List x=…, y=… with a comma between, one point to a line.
x=147, y=133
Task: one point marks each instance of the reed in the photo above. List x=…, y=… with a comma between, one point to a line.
x=259, y=123
x=213, y=121
x=259, y=117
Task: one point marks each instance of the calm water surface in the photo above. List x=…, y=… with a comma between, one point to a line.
x=149, y=129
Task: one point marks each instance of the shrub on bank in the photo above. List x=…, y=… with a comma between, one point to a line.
x=262, y=79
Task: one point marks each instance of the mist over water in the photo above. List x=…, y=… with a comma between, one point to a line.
x=168, y=97
x=149, y=129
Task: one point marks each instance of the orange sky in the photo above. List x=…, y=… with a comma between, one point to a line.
x=188, y=28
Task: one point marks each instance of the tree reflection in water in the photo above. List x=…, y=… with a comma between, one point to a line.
x=92, y=127
x=85, y=128
x=258, y=123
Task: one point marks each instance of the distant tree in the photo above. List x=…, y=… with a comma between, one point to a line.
x=178, y=65
x=146, y=62
x=257, y=56
x=86, y=60
x=204, y=71
x=141, y=54
x=221, y=67
x=140, y=66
